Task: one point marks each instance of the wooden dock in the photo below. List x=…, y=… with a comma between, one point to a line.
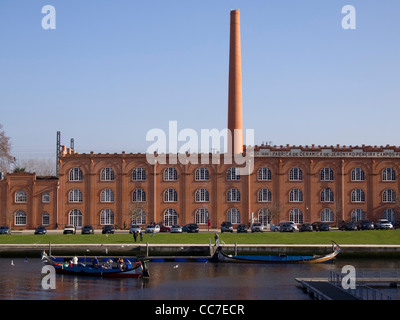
x=322, y=289
x=331, y=288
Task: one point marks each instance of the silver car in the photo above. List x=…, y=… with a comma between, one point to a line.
x=176, y=228
x=134, y=228
x=383, y=224
x=257, y=227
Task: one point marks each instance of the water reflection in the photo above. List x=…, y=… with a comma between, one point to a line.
x=174, y=281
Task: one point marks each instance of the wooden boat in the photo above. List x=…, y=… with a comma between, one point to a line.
x=125, y=270
x=219, y=256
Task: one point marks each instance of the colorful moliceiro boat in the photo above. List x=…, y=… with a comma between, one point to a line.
x=219, y=256
x=124, y=269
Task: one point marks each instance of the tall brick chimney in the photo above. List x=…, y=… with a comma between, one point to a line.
x=235, y=120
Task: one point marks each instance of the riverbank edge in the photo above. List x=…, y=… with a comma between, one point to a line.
x=195, y=250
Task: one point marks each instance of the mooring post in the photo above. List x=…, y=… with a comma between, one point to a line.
x=235, y=249
x=49, y=248
x=147, y=249
x=209, y=243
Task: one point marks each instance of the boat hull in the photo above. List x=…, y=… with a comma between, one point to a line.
x=219, y=256
x=137, y=271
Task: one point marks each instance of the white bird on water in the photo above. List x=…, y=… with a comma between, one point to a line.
x=12, y=263
x=176, y=266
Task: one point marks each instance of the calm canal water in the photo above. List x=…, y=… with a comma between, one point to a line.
x=178, y=281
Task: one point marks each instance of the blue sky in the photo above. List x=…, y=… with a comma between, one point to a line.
x=113, y=70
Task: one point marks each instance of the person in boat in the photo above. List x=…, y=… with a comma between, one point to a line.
x=75, y=261
x=121, y=263
x=128, y=265
x=95, y=262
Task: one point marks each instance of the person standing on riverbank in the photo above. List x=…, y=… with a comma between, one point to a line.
x=216, y=238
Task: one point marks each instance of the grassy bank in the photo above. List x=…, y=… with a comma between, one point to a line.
x=383, y=237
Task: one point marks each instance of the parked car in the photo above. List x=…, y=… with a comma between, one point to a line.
x=152, y=228
x=191, y=227
x=320, y=226
x=396, y=224
x=365, y=225
x=108, y=229
x=286, y=227
x=40, y=230
x=276, y=228
x=176, y=228
x=69, y=228
x=305, y=227
x=5, y=230
x=242, y=228
x=134, y=228
x=383, y=224
x=88, y=229
x=165, y=228
x=226, y=227
x=348, y=226
x=257, y=227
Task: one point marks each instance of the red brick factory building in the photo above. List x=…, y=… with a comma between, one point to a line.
x=288, y=183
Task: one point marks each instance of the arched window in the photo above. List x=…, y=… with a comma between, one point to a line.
x=202, y=174
x=295, y=174
x=170, y=195
x=139, y=174
x=170, y=174
x=20, y=218
x=107, y=217
x=296, y=195
x=107, y=195
x=45, y=218
x=389, y=214
x=296, y=216
x=170, y=217
x=139, y=195
x=75, y=174
x=264, y=216
x=21, y=197
x=327, y=195
x=327, y=215
x=357, y=215
x=75, y=195
x=264, y=174
x=201, y=216
x=107, y=174
x=75, y=218
x=326, y=174
x=389, y=195
x=357, y=174
x=388, y=174
x=46, y=197
x=202, y=195
x=234, y=216
x=358, y=195
x=139, y=216
x=233, y=174
x=233, y=195
x=264, y=195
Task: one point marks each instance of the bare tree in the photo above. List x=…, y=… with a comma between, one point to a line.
x=5, y=151
x=135, y=210
x=42, y=167
x=338, y=210
x=274, y=210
